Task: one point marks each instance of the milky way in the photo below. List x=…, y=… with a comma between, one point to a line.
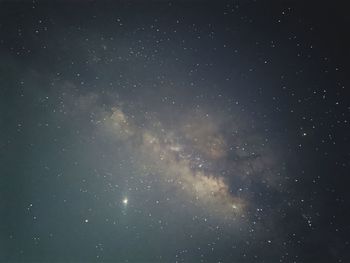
x=173, y=132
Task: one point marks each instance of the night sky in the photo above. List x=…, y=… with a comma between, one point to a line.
x=174, y=131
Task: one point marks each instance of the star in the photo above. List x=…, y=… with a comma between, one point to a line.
x=125, y=201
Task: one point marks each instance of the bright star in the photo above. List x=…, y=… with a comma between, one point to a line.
x=125, y=201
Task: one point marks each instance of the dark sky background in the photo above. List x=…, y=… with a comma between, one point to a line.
x=182, y=131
